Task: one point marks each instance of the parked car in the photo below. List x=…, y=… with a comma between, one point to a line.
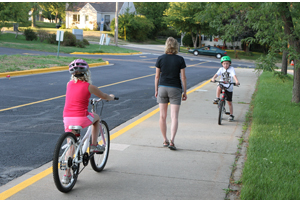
x=209, y=51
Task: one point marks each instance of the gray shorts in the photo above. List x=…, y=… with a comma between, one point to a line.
x=169, y=94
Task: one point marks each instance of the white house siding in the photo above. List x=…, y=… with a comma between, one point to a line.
x=94, y=15
x=89, y=11
x=218, y=42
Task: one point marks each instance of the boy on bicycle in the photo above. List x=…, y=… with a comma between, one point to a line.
x=227, y=73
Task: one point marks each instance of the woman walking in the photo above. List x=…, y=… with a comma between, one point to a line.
x=170, y=87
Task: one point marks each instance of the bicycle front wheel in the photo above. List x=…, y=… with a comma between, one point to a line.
x=98, y=161
x=65, y=170
x=221, y=108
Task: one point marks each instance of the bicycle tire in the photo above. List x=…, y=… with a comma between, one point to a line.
x=59, y=170
x=221, y=107
x=98, y=161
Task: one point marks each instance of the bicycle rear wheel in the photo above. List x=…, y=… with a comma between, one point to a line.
x=63, y=162
x=221, y=108
x=98, y=161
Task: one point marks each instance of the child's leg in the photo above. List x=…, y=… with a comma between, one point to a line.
x=218, y=92
x=229, y=101
x=95, y=129
x=230, y=107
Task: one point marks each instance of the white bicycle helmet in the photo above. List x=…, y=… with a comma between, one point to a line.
x=78, y=65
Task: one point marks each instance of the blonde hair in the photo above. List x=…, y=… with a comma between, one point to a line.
x=87, y=77
x=171, y=46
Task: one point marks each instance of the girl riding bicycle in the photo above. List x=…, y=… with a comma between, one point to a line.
x=78, y=93
x=227, y=73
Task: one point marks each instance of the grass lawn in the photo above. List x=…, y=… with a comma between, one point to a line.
x=9, y=40
x=272, y=168
x=21, y=62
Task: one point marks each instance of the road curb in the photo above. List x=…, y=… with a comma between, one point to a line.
x=44, y=70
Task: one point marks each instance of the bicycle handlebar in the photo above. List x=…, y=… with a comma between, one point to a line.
x=224, y=82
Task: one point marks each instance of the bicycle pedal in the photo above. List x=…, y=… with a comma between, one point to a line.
x=227, y=113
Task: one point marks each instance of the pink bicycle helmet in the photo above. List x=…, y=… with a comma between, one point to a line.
x=78, y=65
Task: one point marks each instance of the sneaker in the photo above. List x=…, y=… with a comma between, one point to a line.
x=230, y=118
x=66, y=179
x=97, y=148
x=216, y=100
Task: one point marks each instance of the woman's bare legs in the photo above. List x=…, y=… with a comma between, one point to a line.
x=162, y=120
x=174, y=123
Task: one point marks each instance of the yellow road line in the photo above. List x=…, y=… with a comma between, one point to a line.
x=36, y=102
x=8, y=193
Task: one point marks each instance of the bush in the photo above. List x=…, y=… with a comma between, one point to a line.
x=169, y=33
x=52, y=39
x=30, y=34
x=80, y=44
x=85, y=42
x=187, y=40
x=43, y=35
x=69, y=39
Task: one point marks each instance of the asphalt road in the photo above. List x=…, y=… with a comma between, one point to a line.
x=29, y=133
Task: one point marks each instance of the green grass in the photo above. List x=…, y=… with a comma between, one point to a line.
x=9, y=40
x=21, y=62
x=272, y=167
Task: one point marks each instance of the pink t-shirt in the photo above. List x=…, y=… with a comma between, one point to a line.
x=77, y=99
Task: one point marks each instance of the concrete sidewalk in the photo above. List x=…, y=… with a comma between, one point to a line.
x=140, y=168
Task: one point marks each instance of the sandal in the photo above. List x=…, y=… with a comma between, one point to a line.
x=172, y=146
x=166, y=144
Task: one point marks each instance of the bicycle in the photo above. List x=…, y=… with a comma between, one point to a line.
x=71, y=150
x=222, y=101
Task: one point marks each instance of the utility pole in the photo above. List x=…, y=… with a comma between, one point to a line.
x=116, y=24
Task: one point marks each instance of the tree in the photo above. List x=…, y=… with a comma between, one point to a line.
x=137, y=26
x=228, y=20
x=55, y=8
x=34, y=11
x=154, y=12
x=16, y=12
x=181, y=16
x=276, y=25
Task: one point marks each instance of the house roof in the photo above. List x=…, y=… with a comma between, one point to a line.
x=99, y=6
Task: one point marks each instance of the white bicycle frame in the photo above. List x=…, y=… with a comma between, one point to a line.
x=84, y=142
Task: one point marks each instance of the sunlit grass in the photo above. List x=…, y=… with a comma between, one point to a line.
x=272, y=169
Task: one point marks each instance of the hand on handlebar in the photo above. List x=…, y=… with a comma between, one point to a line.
x=113, y=96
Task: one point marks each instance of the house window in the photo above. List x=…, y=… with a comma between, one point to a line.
x=107, y=19
x=76, y=18
x=86, y=18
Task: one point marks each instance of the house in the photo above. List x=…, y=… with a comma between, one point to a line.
x=89, y=14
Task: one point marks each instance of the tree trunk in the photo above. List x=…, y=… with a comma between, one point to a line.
x=56, y=14
x=247, y=49
x=33, y=17
x=199, y=40
x=294, y=43
x=284, y=62
x=194, y=39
